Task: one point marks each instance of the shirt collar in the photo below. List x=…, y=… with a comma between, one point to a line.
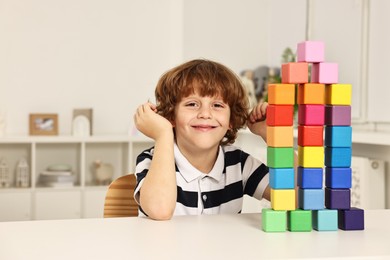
x=190, y=173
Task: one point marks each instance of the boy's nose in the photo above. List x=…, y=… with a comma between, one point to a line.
x=204, y=112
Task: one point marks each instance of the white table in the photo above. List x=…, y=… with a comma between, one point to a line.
x=189, y=237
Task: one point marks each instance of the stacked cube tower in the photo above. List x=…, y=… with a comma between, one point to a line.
x=322, y=101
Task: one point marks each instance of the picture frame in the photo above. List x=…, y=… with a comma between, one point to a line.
x=43, y=124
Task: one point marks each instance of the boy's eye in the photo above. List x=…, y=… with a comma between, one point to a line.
x=219, y=105
x=191, y=104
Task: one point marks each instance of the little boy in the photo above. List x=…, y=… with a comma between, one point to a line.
x=193, y=168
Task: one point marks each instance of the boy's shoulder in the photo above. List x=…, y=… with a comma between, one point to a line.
x=232, y=149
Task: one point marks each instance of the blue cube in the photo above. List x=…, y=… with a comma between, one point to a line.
x=338, y=156
x=338, y=136
x=281, y=178
x=310, y=178
x=338, y=178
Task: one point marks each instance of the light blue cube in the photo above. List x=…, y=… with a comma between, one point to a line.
x=311, y=199
x=281, y=178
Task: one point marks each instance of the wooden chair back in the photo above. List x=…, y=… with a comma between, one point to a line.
x=119, y=201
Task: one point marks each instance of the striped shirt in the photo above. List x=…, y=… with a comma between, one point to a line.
x=234, y=174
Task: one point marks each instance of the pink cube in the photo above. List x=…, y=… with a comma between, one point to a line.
x=310, y=51
x=325, y=73
x=311, y=115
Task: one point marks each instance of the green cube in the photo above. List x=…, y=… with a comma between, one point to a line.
x=274, y=220
x=299, y=220
x=280, y=157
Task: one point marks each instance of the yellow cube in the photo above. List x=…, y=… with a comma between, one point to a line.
x=311, y=156
x=338, y=94
x=283, y=199
x=280, y=136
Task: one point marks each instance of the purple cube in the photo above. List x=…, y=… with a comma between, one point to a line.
x=337, y=115
x=337, y=198
x=351, y=219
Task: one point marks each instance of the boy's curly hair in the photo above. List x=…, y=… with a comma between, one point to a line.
x=211, y=79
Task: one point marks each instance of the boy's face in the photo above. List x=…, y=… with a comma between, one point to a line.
x=201, y=122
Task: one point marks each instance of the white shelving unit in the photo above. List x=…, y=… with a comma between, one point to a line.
x=83, y=200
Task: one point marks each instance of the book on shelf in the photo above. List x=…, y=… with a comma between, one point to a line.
x=56, y=173
x=56, y=178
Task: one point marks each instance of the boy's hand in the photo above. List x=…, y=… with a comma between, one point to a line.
x=256, y=120
x=150, y=123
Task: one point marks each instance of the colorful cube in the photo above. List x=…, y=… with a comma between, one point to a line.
x=311, y=199
x=310, y=135
x=338, y=156
x=351, y=219
x=325, y=220
x=281, y=94
x=274, y=220
x=324, y=72
x=338, y=94
x=295, y=72
x=311, y=94
x=280, y=115
x=283, y=199
x=338, y=136
x=311, y=156
x=338, y=115
x=311, y=51
x=337, y=198
x=281, y=178
x=310, y=178
x=280, y=157
x=338, y=178
x=280, y=136
x=299, y=220
x=311, y=114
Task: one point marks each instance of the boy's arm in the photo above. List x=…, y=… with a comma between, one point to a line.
x=159, y=191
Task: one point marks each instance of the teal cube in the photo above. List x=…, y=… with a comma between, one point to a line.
x=325, y=220
x=299, y=220
x=274, y=220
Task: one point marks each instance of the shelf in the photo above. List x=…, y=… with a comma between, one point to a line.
x=86, y=197
x=373, y=138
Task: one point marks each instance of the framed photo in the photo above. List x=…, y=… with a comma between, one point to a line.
x=43, y=124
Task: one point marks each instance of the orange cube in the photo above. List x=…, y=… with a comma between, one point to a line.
x=311, y=93
x=281, y=94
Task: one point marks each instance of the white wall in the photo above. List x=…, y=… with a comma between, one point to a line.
x=56, y=56
x=59, y=55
